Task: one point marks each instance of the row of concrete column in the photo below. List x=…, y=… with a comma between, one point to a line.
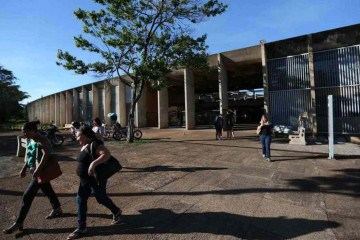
x=63, y=108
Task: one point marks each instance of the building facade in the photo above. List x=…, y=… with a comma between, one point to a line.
x=285, y=78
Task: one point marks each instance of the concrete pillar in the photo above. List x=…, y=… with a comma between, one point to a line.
x=107, y=104
x=52, y=108
x=85, y=101
x=140, y=110
x=189, y=98
x=163, y=108
x=75, y=110
x=223, y=96
x=265, y=78
x=69, y=107
x=47, y=111
x=312, y=113
x=57, y=109
x=121, y=107
x=62, y=109
x=42, y=110
x=95, y=102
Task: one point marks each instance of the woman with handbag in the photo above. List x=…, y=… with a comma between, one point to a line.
x=265, y=132
x=39, y=150
x=87, y=160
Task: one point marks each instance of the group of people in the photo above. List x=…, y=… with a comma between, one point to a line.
x=92, y=153
x=39, y=153
x=264, y=130
x=226, y=123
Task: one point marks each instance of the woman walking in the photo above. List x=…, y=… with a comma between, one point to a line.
x=265, y=132
x=39, y=150
x=92, y=153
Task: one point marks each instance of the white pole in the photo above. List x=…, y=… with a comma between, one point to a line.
x=330, y=127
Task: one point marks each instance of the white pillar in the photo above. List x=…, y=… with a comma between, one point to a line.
x=85, y=102
x=223, y=96
x=62, y=109
x=121, y=107
x=163, y=108
x=265, y=78
x=95, y=102
x=140, y=111
x=57, y=109
x=189, y=99
x=69, y=107
x=107, y=104
x=75, y=111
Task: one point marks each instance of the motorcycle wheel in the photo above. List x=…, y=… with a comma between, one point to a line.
x=117, y=136
x=57, y=140
x=137, y=134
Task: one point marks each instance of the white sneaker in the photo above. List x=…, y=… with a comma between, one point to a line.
x=268, y=159
x=263, y=155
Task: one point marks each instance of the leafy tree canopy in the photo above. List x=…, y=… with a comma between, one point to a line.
x=10, y=97
x=144, y=39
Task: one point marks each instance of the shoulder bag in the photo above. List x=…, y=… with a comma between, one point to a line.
x=50, y=171
x=105, y=170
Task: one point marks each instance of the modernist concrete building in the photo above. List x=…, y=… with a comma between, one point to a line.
x=283, y=78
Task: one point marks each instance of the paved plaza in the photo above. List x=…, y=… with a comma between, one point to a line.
x=179, y=184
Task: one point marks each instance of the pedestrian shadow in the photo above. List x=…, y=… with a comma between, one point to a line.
x=160, y=168
x=346, y=183
x=159, y=221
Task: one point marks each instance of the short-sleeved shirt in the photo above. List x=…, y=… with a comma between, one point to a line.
x=84, y=159
x=99, y=130
x=33, y=153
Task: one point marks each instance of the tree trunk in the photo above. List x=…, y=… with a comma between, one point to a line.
x=130, y=127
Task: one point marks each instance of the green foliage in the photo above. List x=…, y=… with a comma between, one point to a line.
x=10, y=96
x=143, y=39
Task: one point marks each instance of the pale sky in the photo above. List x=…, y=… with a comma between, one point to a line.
x=33, y=30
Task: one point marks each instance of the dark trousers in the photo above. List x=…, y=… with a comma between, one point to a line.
x=265, y=142
x=30, y=194
x=88, y=186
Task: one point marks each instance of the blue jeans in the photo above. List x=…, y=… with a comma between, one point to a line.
x=88, y=186
x=265, y=142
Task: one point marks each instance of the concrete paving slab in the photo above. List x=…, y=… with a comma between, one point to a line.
x=179, y=184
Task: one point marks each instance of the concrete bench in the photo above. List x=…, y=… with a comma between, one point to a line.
x=21, y=149
x=298, y=139
x=67, y=126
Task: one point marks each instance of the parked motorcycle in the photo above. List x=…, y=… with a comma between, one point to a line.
x=121, y=132
x=54, y=138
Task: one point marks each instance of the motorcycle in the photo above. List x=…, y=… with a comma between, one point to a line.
x=121, y=132
x=54, y=138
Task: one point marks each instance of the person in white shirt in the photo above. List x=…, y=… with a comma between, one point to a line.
x=98, y=129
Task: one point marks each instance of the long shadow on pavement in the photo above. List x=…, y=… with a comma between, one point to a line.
x=165, y=221
x=161, y=168
x=346, y=184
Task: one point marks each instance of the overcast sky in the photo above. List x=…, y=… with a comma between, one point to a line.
x=31, y=32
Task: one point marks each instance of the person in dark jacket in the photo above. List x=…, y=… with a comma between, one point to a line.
x=265, y=132
x=219, y=123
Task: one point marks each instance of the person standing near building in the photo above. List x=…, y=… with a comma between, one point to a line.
x=265, y=132
x=98, y=129
x=229, y=122
x=38, y=149
x=219, y=123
